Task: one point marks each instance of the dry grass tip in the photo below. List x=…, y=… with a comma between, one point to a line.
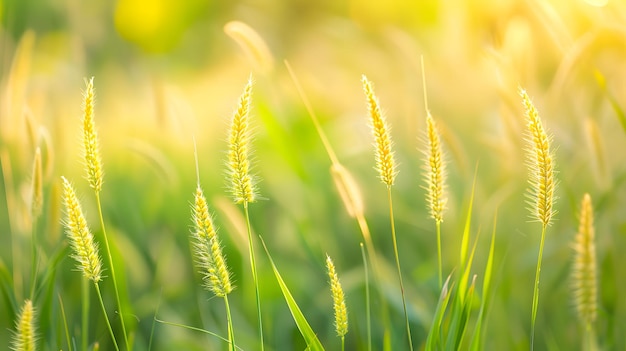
x=209, y=258
x=24, y=338
x=91, y=152
x=541, y=164
x=435, y=171
x=339, y=303
x=81, y=239
x=385, y=163
x=584, y=269
x=241, y=182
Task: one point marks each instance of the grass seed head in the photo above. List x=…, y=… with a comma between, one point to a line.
x=241, y=181
x=339, y=303
x=24, y=338
x=81, y=239
x=91, y=151
x=385, y=162
x=435, y=171
x=584, y=268
x=208, y=251
x=541, y=164
x=37, y=186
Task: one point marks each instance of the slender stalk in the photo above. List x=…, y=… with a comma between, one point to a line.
x=254, y=274
x=343, y=343
x=367, y=300
x=231, y=331
x=438, y=224
x=194, y=329
x=117, y=295
x=34, y=260
x=85, y=313
x=395, y=251
x=106, y=317
x=536, y=290
x=67, y=332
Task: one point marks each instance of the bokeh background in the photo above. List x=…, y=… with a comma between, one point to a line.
x=166, y=72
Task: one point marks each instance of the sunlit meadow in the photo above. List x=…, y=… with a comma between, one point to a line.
x=322, y=175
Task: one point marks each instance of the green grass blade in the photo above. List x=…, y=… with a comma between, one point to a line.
x=433, y=342
x=476, y=344
x=468, y=222
x=311, y=339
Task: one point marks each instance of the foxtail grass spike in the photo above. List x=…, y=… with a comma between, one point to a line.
x=339, y=303
x=541, y=164
x=584, y=270
x=435, y=171
x=25, y=335
x=241, y=181
x=209, y=258
x=542, y=187
x=91, y=151
x=81, y=239
x=385, y=162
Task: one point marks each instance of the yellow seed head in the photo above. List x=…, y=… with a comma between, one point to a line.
x=37, y=186
x=339, y=303
x=241, y=182
x=584, y=269
x=91, y=151
x=25, y=336
x=385, y=163
x=435, y=171
x=541, y=164
x=81, y=239
x=252, y=44
x=209, y=258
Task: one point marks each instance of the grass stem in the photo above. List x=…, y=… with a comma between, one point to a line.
x=254, y=273
x=231, y=331
x=85, y=313
x=536, y=290
x=117, y=295
x=106, y=317
x=438, y=224
x=367, y=300
x=395, y=251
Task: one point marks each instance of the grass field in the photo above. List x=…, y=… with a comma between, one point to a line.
x=358, y=175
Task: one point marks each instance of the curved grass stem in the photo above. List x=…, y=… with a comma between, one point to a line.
x=536, y=290
x=367, y=300
x=395, y=251
x=106, y=317
x=231, y=331
x=254, y=274
x=117, y=295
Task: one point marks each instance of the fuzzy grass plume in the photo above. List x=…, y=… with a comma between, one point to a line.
x=209, y=257
x=241, y=181
x=435, y=171
x=91, y=151
x=542, y=187
x=541, y=165
x=584, y=268
x=25, y=337
x=385, y=162
x=81, y=239
x=339, y=303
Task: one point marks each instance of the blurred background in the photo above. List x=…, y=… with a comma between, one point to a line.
x=167, y=72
